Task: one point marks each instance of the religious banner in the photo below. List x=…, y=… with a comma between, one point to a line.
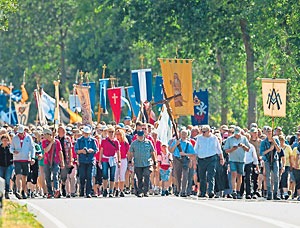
x=92, y=91
x=134, y=105
x=158, y=93
x=164, y=126
x=125, y=101
x=47, y=103
x=177, y=77
x=200, y=116
x=41, y=114
x=84, y=98
x=22, y=110
x=142, y=83
x=74, y=103
x=114, y=95
x=103, y=87
x=274, y=97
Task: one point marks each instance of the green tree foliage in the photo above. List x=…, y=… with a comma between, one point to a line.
x=6, y=8
x=232, y=43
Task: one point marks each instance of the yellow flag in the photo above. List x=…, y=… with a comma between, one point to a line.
x=274, y=97
x=24, y=94
x=177, y=76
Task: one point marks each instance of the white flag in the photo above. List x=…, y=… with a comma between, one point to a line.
x=164, y=128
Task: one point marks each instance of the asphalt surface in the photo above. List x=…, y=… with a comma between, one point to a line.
x=163, y=212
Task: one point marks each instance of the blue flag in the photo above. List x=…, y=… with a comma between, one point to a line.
x=2, y=102
x=135, y=106
x=158, y=93
x=16, y=95
x=103, y=87
x=142, y=83
x=125, y=101
x=200, y=108
x=92, y=92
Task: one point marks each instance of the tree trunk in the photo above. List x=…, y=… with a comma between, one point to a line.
x=224, y=94
x=252, y=105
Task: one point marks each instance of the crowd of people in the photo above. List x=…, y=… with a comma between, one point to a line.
x=115, y=160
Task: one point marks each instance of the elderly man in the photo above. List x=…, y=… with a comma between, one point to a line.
x=142, y=150
x=86, y=148
x=269, y=149
x=22, y=147
x=207, y=148
x=181, y=161
x=236, y=146
x=53, y=157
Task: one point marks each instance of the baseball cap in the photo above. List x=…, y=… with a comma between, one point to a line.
x=253, y=130
x=140, y=133
x=127, y=118
x=87, y=130
x=253, y=125
x=237, y=130
x=20, y=129
x=278, y=128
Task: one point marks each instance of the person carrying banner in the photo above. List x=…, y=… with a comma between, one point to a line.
x=86, y=148
x=22, y=146
x=269, y=149
x=53, y=160
x=181, y=161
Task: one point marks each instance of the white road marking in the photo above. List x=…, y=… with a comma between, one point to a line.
x=50, y=217
x=274, y=222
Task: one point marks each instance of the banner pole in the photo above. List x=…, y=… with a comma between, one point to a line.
x=10, y=89
x=99, y=108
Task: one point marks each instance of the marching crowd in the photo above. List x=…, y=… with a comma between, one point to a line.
x=111, y=160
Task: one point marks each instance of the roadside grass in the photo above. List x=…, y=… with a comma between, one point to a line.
x=16, y=215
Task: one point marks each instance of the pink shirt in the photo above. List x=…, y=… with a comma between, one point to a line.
x=158, y=147
x=124, y=149
x=108, y=149
x=58, y=148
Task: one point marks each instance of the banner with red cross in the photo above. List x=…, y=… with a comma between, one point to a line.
x=114, y=95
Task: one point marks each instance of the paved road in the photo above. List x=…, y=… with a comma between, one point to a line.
x=163, y=212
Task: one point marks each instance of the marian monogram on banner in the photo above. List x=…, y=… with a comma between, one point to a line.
x=200, y=116
x=274, y=97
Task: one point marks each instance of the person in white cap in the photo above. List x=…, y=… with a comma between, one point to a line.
x=86, y=148
x=22, y=146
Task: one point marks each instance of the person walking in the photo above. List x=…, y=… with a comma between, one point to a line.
x=142, y=150
x=22, y=146
x=236, y=146
x=6, y=162
x=86, y=148
x=207, y=149
x=53, y=160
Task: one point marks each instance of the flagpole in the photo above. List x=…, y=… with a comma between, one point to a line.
x=10, y=89
x=56, y=113
x=112, y=84
x=99, y=107
x=140, y=115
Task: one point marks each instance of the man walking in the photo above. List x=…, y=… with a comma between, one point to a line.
x=22, y=146
x=207, y=148
x=142, y=150
x=86, y=148
x=236, y=146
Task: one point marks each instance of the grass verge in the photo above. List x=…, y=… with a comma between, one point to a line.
x=16, y=215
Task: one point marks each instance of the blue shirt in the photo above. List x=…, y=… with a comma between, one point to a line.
x=186, y=146
x=237, y=155
x=142, y=152
x=265, y=145
x=89, y=143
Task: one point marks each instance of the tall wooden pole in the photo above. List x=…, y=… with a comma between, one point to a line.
x=10, y=90
x=99, y=108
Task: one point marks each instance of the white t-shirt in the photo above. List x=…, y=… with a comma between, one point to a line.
x=164, y=159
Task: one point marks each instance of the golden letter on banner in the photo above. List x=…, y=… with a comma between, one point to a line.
x=85, y=103
x=177, y=76
x=274, y=97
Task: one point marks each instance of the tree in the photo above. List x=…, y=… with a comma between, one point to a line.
x=6, y=8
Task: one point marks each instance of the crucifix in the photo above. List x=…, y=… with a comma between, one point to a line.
x=103, y=72
x=112, y=81
x=10, y=90
x=166, y=102
x=81, y=77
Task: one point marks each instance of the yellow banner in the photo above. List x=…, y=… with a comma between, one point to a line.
x=274, y=97
x=177, y=76
x=85, y=103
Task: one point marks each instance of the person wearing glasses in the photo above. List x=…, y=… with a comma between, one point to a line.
x=86, y=149
x=111, y=159
x=207, y=148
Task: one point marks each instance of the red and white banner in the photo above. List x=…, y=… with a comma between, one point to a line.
x=114, y=96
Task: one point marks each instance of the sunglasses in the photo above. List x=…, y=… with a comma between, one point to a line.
x=144, y=128
x=110, y=131
x=204, y=131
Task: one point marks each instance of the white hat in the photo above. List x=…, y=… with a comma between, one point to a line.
x=87, y=130
x=20, y=129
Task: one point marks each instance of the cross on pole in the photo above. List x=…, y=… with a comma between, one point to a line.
x=81, y=76
x=166, y=102
x=103, y=72
x=112, y=81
